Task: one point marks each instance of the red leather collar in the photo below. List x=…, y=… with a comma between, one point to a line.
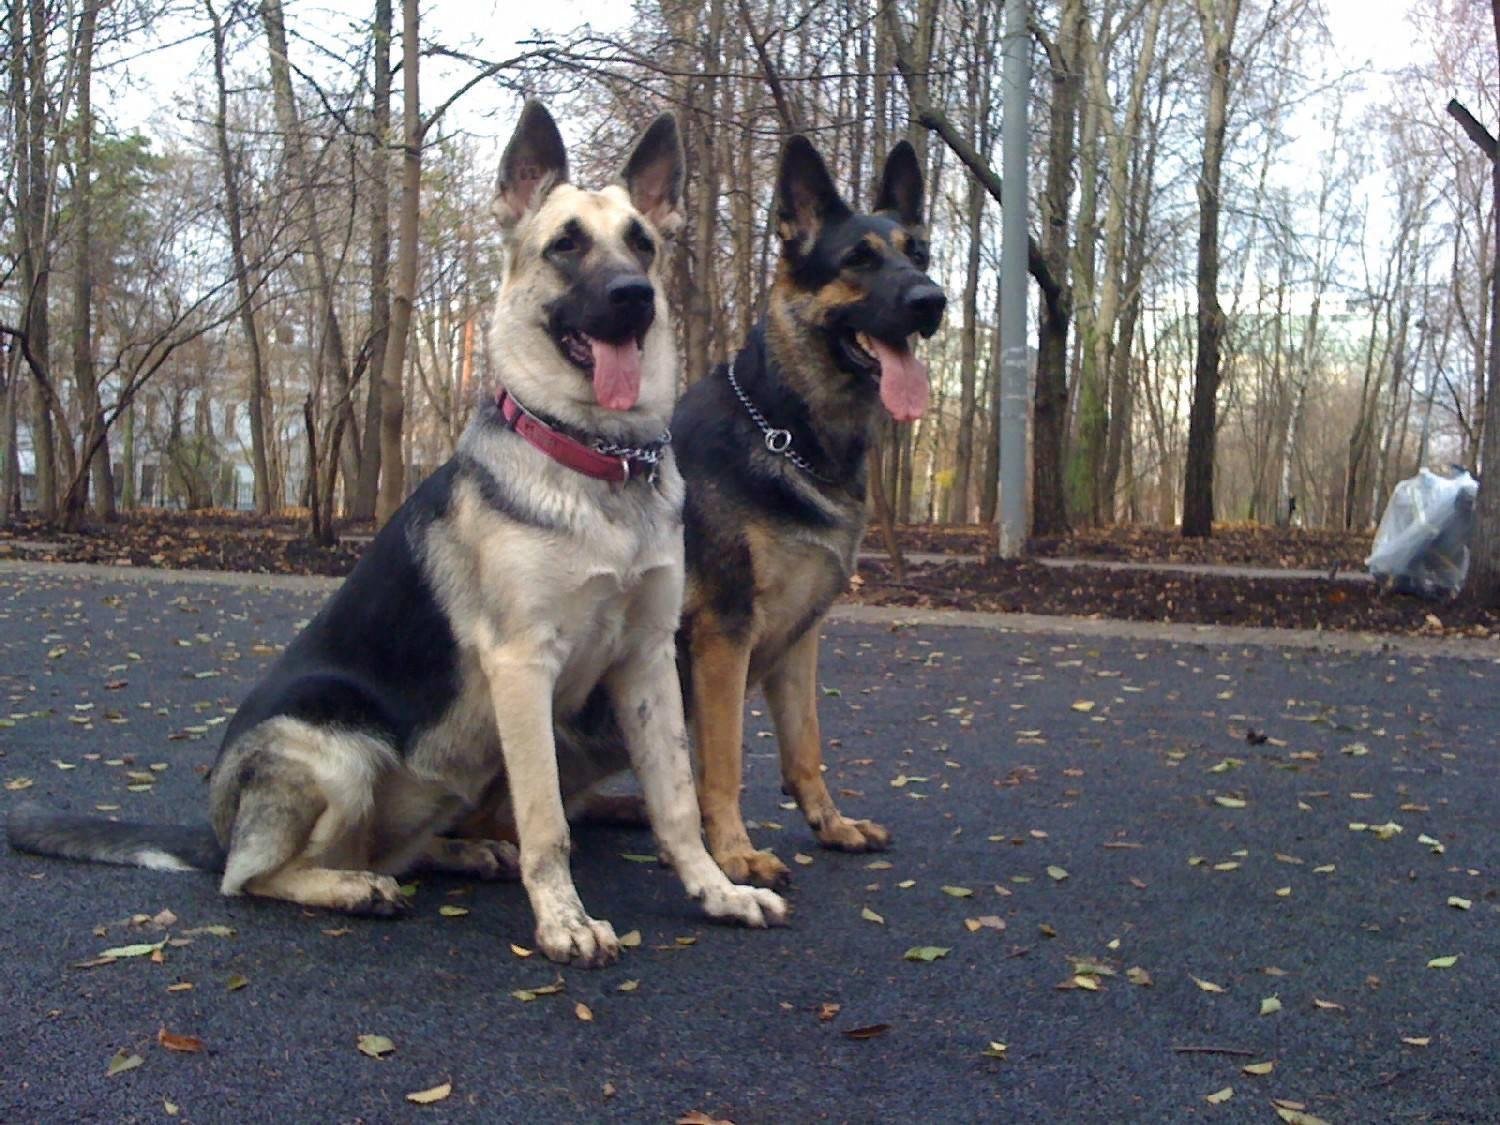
x=572, y=453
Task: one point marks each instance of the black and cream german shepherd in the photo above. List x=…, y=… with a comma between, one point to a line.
x=773, y=447
x=529, y=586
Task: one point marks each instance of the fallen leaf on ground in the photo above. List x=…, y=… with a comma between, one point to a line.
x=1327, y=1005
x=958, y=892
x=827, y=1010
x=1083, y=705
x=583, y=1012
x=1229, y=802
x=631, y=940
x=870, y=916
x=1058, y=874
x=926, y=952
x=1298, y=1117
x=448, y=910
x=1443, y=962
x=868, y=1032
x=1459, y=903
x=1416, y=1040
x=1207, y=985
x=1258, y=1069
x=374, y=1045
x=187, y=1044
x=1270, y=1005
x=627, y=986
x=995, y=1050
x=121, y=1061
x=1137, y=975
x=236, y=982
x=802, y=858
x=435, y=1094
x=527, y=995
x=210, y=931
x=698, y=1117
x=1219, y=1097
x=144, y=949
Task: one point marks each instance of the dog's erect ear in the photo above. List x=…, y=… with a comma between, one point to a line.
x=900, y=192
x=653, y=175
x=534, y=162
x=806, y=197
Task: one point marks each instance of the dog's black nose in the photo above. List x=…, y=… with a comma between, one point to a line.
x=926, y=304
x=630, y=292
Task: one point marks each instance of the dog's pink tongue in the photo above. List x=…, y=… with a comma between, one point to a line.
x=617, y=374
x=903, y=381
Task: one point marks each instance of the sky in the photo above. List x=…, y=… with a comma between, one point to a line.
x=1364, y=33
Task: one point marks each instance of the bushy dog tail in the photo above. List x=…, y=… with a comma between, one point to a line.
x=161, y=847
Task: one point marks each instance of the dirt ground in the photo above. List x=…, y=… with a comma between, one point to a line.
x=278, y=545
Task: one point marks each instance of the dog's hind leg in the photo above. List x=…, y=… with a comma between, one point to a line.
x=720, y=666
x=648, y=702
x=792, y=697
x=285, y=830
x=480, y=859
x=353, y=892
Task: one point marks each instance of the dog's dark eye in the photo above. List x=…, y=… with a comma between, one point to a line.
x=861, y=257
x=917, y=252
x=562, y=245
x=641, y=242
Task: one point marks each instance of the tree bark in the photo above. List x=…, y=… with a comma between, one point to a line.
x=331, y=351
x=1050, y=400
x=392, y=398
x=234, y=216
x=1483, y=584
x=36, y=263
x=95, y=468
x=368, y=489
x=1218, y=20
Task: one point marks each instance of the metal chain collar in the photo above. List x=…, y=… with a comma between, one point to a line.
x=777, y=441
x=651, y=453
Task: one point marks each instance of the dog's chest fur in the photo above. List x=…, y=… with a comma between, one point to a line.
x=798, y=574
x=573, y=584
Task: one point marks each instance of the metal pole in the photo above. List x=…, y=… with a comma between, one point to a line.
x=1014, y=367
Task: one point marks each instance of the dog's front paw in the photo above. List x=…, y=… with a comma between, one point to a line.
x=853, y=835
x=751, y=906
x=584, y=941
x=761, y=868
x=376, y=896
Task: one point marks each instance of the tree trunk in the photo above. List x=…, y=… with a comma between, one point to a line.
x=392, y=399
x=128, y=497
x=91, y=421
x=989, y=489
x=367, y=492
x=331, y=350
x=234, y=215
x=958, y=498
x=36, y=256
x=1049, y=512
x=1484, y=573
x=1218, y=19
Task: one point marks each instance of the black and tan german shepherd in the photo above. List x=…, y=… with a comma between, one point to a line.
x=773, y=447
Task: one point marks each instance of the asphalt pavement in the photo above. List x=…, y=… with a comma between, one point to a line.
x=1136, y=901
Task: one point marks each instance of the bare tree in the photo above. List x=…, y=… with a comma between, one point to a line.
x=392, y=403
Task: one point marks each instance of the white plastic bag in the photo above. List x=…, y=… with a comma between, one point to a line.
x=1422, y=544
